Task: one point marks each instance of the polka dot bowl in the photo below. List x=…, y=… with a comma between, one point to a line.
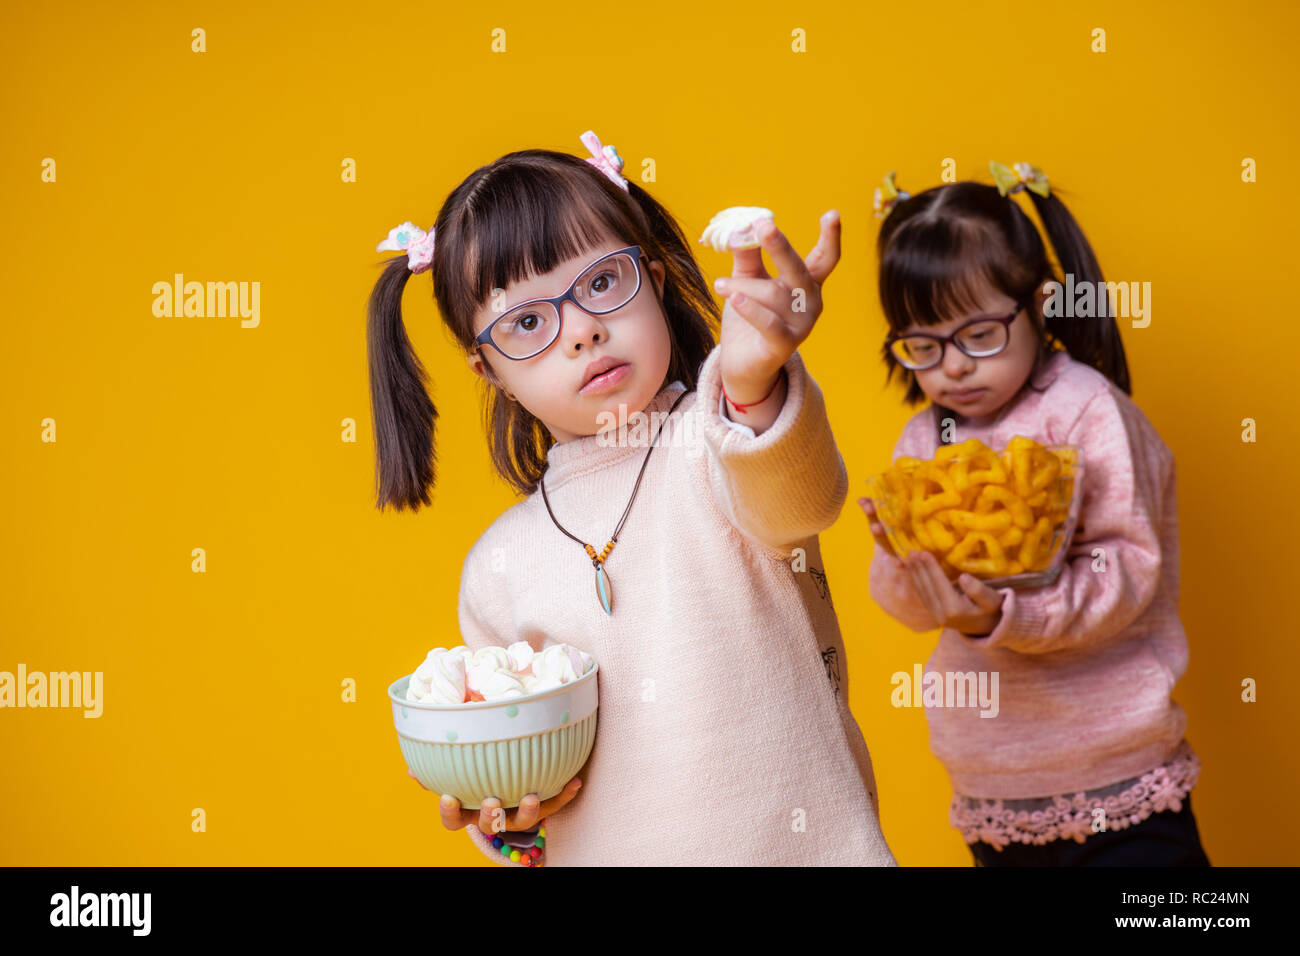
x=498, y=748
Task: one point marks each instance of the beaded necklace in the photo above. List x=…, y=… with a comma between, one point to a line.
x=604, y=587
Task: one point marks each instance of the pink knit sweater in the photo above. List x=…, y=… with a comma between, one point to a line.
x=1085, y=666
x=724, y=734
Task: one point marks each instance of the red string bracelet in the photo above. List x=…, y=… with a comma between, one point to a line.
x=741, y=408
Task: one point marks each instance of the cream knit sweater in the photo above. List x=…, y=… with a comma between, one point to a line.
x=724, y=735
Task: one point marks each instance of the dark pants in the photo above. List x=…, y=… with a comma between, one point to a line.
x=1162, y=839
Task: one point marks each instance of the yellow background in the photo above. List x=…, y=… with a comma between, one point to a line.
x=223, y=689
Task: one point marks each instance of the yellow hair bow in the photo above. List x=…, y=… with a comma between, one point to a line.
x=888, y=196
x=1010, y=179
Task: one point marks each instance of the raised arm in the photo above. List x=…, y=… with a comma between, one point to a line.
x=778, y=477
x=783, y=485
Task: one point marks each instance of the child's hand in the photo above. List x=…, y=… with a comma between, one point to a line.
x=530, y=810
x=974, y=610
x=765, y=318
x=877, y=529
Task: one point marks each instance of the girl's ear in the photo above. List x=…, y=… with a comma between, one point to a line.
x=658, y=274
x=475, y=363
x=481, y=368
x=1041, y=295
x=483, y=371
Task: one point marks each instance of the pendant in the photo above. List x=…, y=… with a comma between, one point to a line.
x=604, y=589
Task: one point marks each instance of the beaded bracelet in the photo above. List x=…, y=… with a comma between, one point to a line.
x=741, y=408
x=534, y=855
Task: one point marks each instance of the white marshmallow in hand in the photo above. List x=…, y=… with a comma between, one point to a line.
x=734, y=228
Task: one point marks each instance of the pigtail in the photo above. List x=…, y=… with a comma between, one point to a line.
x=403, y=413
x=1095, y=342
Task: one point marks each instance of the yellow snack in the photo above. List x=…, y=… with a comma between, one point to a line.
x=923, y=536
x=924, y=502
x=968, y=448
x=978, y=511
x=1011, y=537
x=994, y=561
x=1031, y=547
x=940, y=534
x=993, y=472
x=993, y=495
x=975, y=521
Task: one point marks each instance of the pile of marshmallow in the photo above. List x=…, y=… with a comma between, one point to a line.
x=459, y=675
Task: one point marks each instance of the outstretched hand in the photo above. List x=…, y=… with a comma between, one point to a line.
x=767, y=317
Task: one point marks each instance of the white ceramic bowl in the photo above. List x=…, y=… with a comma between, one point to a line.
x=498, y=748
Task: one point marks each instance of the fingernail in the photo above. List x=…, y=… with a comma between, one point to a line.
x=830, y=215
x=737, y=299
x=720, y=285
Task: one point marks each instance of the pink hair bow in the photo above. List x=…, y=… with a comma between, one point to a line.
x=605, y=158
x=417, y=244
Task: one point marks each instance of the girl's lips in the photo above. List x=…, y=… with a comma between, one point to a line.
x=606, y=380
x=967, y=395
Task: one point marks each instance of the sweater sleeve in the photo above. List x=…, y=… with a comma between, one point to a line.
x=1120, y=514
x=476, y=633
x=784, y=485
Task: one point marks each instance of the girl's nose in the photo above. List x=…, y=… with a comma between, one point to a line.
x=581, y=328
x=956, y=363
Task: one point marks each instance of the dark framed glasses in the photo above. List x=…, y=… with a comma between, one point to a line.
x=978, y=338
x=608, y=284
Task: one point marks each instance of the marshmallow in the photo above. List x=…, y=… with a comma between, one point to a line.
x=555, y=663
x=733, y=227
x=458, y=675
x=440, y=679
x=521, y=657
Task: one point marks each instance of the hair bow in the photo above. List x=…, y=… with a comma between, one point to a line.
x=417, y=244
x=1017, y=177
x=605, y=158
x=888, y=196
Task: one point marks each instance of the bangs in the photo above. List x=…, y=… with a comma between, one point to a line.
x=526, y=219
x=935, y=270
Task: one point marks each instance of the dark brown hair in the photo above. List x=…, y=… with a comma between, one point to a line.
x=938, y=248
x=517, y=217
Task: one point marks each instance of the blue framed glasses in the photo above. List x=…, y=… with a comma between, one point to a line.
x=978, y=338
x=526, y=329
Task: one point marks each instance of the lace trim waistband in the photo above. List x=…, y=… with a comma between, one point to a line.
x=1041, y=820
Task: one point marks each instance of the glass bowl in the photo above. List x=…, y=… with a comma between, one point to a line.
x=909, y=515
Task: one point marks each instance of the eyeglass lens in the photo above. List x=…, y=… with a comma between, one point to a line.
x=605, y=286
x=976, y=340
